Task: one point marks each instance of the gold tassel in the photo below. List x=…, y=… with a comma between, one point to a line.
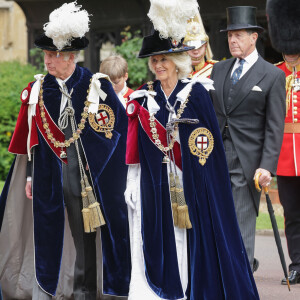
x=173, y=197
x=175, y=213
x=96, y=216
x=183, y=217
x=87, y=220
x=182, y=209
x=85, y=211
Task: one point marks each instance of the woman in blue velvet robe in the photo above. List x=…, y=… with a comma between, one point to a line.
x=207, y=261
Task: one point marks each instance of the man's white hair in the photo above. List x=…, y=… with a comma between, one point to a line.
x=66, y=55
x=182, y=62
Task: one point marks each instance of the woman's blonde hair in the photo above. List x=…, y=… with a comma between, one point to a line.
x=182, y=62
x=114, y=66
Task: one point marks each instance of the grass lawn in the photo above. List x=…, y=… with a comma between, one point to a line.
x=1, y=185
x=263, y=221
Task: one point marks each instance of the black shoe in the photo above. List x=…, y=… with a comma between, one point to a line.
x=255, y=265
x=294, y=278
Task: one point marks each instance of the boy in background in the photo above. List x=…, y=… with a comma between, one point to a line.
x=116, y=68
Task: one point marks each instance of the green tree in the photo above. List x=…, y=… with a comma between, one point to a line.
x=37, y=57
x=14, y=77
x=129, y=49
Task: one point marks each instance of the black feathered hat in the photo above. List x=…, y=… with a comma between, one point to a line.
x=284, y=25
x=46, y=43
x=66, y=29
x=242, y=17
x=154, y=45
x=169, y=19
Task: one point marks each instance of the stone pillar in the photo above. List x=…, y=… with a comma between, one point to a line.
x=91, y=53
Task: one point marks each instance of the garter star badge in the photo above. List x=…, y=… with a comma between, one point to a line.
x=201, y=143
x=103, y=120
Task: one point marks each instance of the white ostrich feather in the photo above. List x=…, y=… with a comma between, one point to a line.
x=169, y=17
x=66, y=23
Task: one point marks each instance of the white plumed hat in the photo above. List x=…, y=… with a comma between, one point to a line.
x=66, y=29
x=169, y=17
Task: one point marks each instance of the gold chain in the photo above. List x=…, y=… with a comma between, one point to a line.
x=153, y=130
x=80, y=126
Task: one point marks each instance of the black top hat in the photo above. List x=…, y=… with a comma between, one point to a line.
x=46, y=43
x=284, y=24
x=242, y=17
x=154, y=45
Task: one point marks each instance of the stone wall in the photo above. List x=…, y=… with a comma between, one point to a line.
x=13, y=32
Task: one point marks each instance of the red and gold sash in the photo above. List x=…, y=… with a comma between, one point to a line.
x=138, y=114
x=57, y=133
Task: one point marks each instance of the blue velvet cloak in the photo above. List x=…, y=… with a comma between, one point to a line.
x=106, y=160
x=218, y=264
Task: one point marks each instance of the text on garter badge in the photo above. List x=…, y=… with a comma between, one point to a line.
x=201, y=143
x=103, y=120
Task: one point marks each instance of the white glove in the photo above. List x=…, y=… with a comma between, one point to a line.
x=132, y=185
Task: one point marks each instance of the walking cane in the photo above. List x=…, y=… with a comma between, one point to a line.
x=275, y=228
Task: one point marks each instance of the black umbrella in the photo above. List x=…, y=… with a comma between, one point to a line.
x=275, y=228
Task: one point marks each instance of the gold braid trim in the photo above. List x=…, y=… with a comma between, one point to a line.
x=288, y=87
x=199, y=66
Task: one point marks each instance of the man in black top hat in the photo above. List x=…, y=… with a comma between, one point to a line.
x=249, y=103
x=284, y=23
x=73, y=128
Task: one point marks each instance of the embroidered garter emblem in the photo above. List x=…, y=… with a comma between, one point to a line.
x=24, y=94
x=175, y=43
x=103, y=121
x=201, y=143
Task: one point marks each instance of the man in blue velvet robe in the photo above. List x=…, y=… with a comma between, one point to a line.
x=71, y=127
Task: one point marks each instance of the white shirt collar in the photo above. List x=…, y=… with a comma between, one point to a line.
x=123, y=89
x=60, y=81
x=250, y=60
x=252, y=57
x=121, y=95
x=64, y=99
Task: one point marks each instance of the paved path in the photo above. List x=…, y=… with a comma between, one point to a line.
x=269, y=273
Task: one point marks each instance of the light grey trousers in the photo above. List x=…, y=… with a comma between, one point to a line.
x=243, y=200
x=38, y=293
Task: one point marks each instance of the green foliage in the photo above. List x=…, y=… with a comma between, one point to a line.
x=129, y=49
x=37, y=56
x=14, y=77
x=263, y=221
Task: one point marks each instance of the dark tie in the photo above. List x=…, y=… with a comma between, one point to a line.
x=237, y=72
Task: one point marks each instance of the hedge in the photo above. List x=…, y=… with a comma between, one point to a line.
x=14, y=77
